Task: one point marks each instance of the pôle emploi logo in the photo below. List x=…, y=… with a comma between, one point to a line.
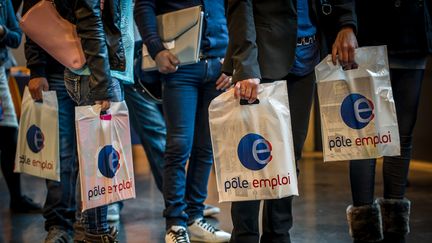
x=108, y=161
x=35, y=139
x=255, y=153
x=357, y=112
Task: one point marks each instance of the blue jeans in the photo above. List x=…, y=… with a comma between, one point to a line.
x=186, y=96
x=94, y=220
x=406, y=85
x=60, y=205
x=147, y=120
x=277, y=213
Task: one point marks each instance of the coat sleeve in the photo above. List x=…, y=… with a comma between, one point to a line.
x=12, y=33
x=242, y=53
x=145, y=18
x=345, y=14
x=90, y=29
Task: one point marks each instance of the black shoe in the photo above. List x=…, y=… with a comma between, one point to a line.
x=25, y=205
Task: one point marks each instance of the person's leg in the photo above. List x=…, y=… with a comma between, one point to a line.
x=364, y=217
x=180, y=97
x=7, y=161
x=277, y=214
x=92, y=221
x=244, y=216
x=95, y=219
x=8, y=144
x=406, y=86
x=60, y=202
x=201, y=159
x=147, y=120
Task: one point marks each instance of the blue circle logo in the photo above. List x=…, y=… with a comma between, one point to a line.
x=254, y=151
x=108, y=161
x=357, y=111
x=35, y=139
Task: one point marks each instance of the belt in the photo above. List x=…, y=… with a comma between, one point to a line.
x=307, y=40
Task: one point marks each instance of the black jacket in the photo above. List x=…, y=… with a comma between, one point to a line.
x=406, y=29
x=12, y=32
x=100, y=37
x=263, y=35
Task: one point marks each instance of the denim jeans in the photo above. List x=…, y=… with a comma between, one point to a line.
x=94, y=220
x=60, y=205
x=406, y=85
x=277, y=213
x=147, y=120
x=186, y=96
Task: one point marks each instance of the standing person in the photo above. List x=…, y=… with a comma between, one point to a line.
x=10, y=37
x=47, y=74
x=187, y=93
x=106, y=32
x=277, y=40
x=407, y=32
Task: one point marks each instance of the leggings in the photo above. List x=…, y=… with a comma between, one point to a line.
x=406, y=85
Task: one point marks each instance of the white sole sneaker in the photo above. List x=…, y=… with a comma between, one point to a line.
x=202, y=231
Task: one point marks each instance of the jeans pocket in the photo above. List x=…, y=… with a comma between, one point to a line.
x=72, y=83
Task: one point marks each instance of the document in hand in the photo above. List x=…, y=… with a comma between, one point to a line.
x=180, y=32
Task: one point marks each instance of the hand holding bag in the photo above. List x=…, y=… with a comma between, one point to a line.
x=358, y=114
x=38, y=137
x=252, y=146
x=57, y=36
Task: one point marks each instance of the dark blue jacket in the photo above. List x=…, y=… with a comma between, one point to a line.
x=215, y=35
x=12, y=32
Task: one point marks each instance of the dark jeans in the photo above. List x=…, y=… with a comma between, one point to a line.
x=186, y=96
x=94, y=220
x=8, y=143
x=147, y=120
x=60, y=205
x=277, y=213
x=406, y=85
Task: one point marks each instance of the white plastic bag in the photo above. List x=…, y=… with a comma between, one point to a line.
x=358, y=115
x=252, y=146
x=38, y=137
x=105, y=155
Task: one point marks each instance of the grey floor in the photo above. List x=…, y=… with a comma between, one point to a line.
x=319, y=211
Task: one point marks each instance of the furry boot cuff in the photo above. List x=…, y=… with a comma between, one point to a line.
x=395, y=214
x=365, y=223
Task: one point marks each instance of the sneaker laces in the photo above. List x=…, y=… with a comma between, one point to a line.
x=179, y=236
x=208, y=227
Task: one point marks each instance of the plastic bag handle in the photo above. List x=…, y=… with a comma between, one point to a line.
x=245, y=102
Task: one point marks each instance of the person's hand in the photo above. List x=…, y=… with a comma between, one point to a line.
x=223, y=82
x=166, y=62
x=105, y=104
x=36, y=86
x=247, y=89
x=2, y=31
x=343, y=48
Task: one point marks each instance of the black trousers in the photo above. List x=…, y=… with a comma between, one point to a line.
x=277, y=213
x=8, y=143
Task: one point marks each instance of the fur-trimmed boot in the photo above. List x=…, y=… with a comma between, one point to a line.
x=365, y=223
x=395, y=214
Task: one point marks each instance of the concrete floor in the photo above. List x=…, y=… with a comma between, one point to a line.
x=319, y=211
